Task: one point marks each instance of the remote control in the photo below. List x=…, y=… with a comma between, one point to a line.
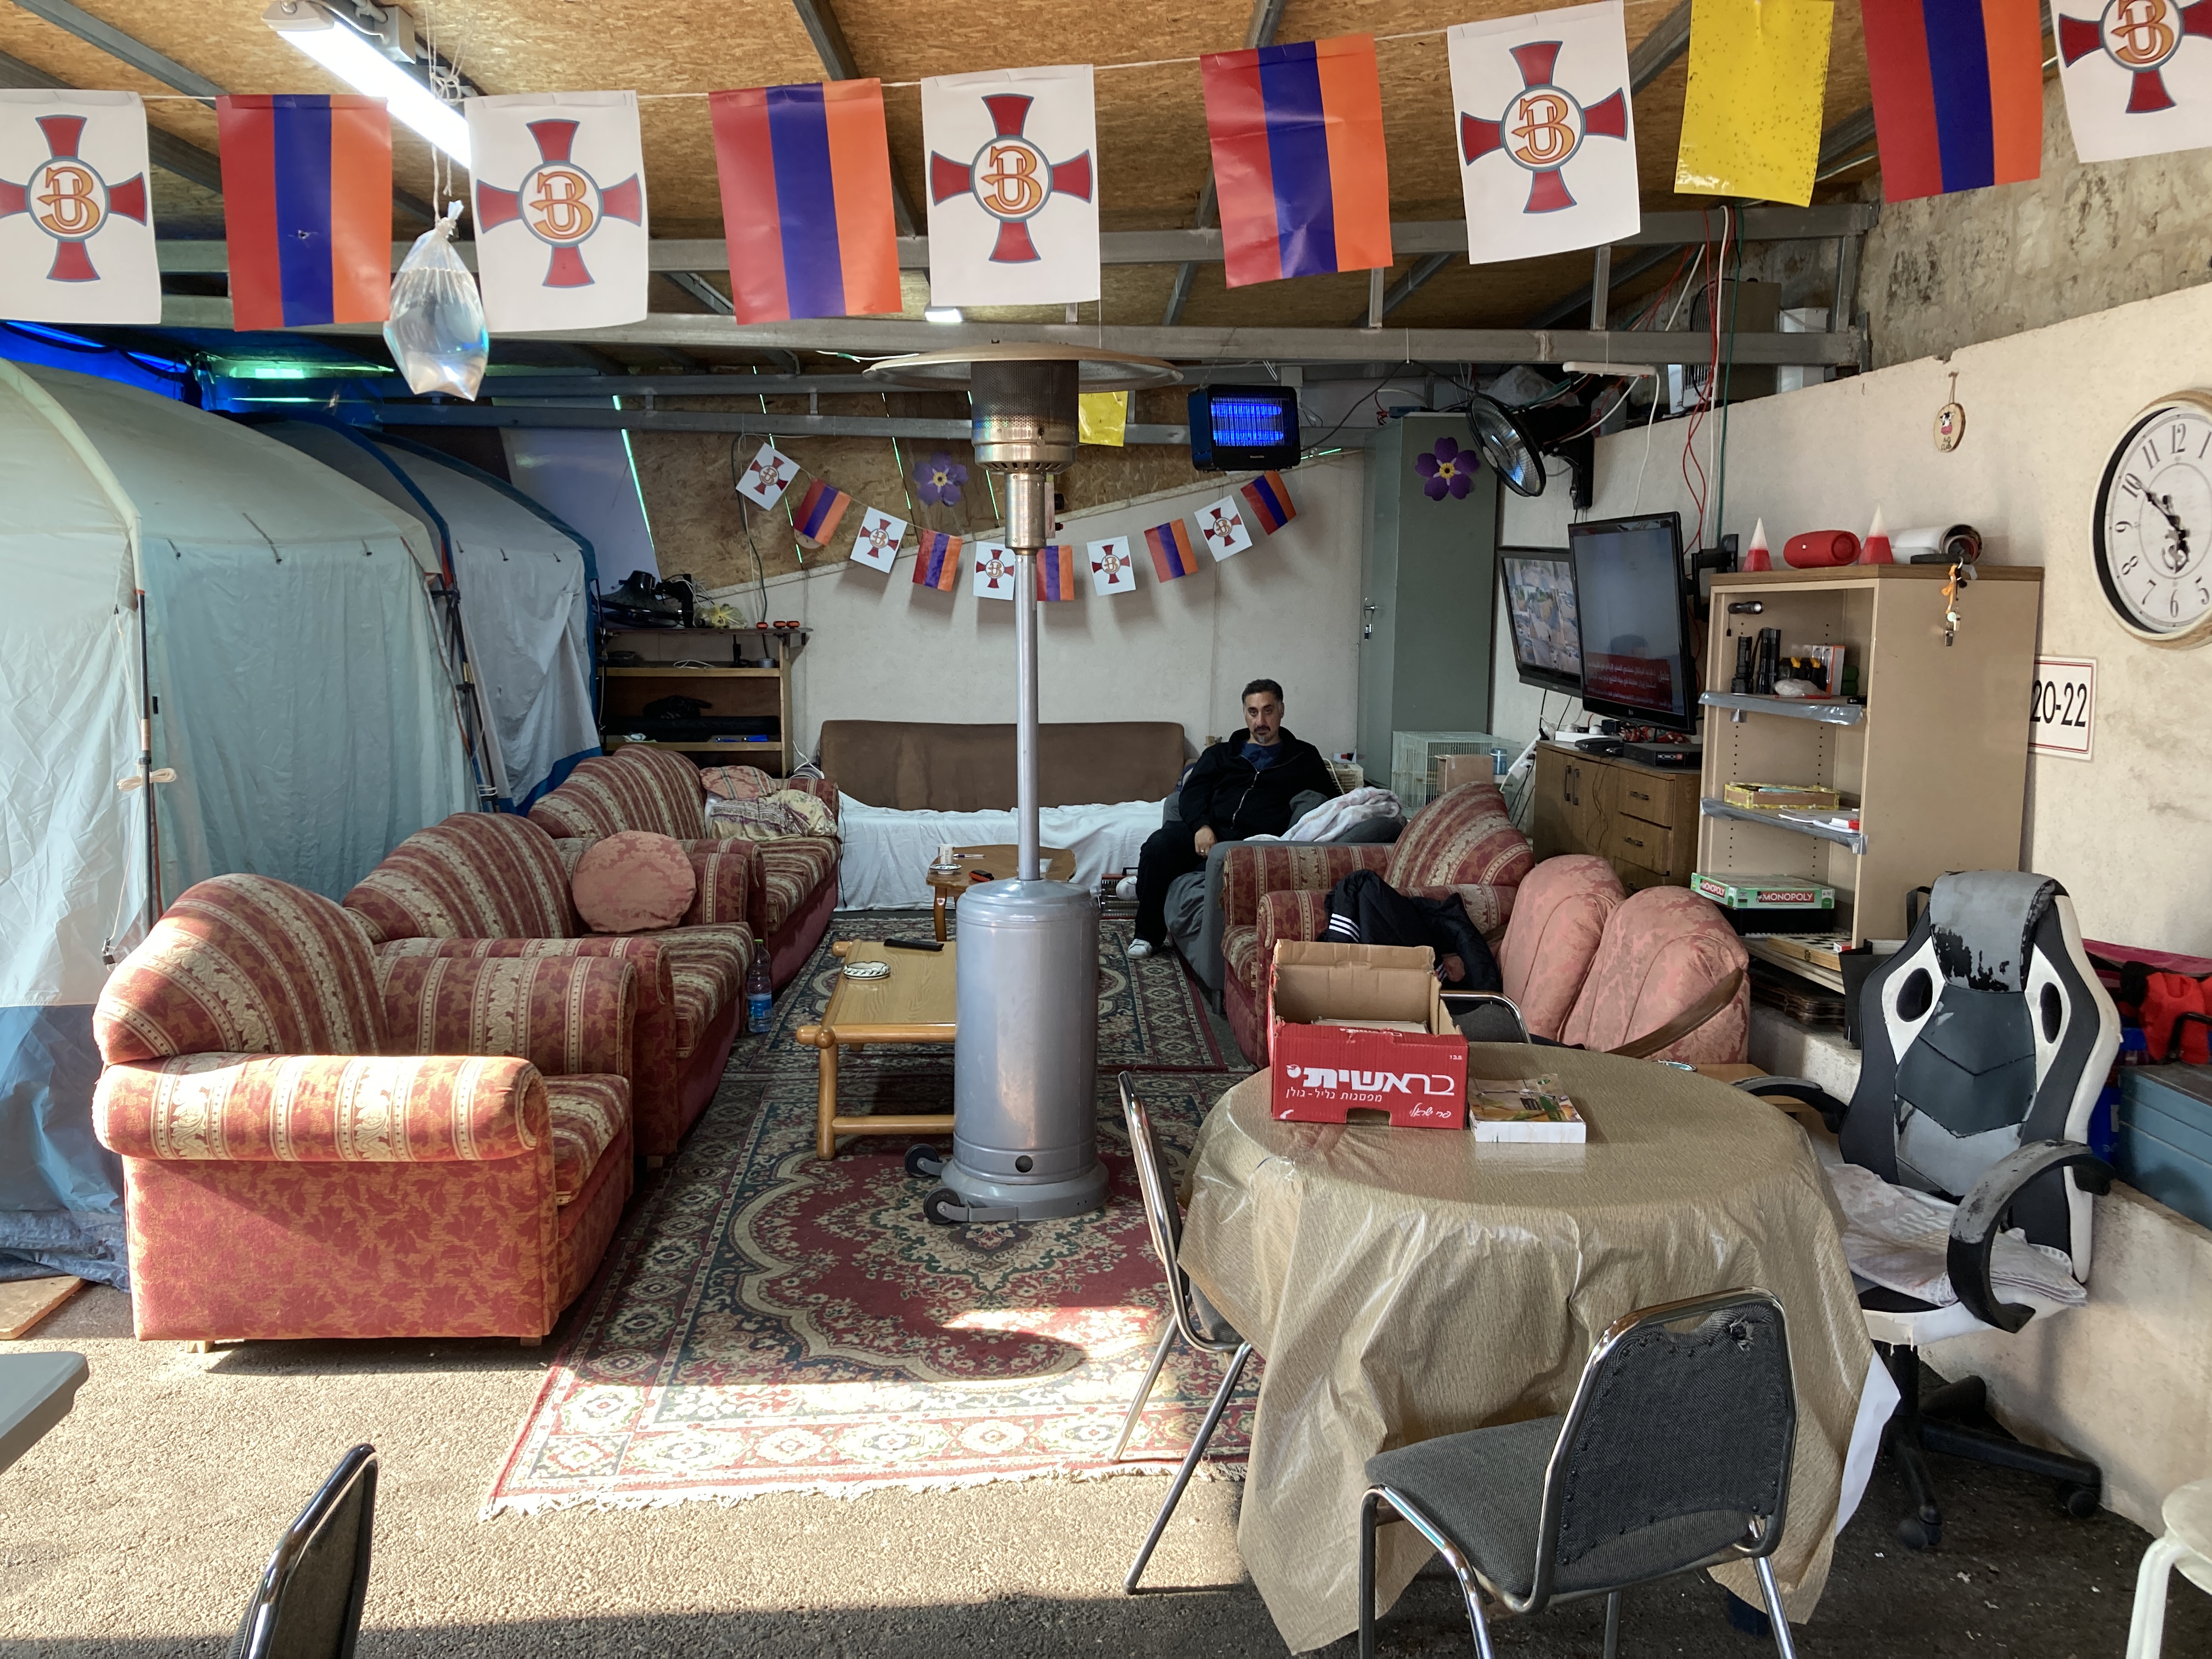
x=912, y=945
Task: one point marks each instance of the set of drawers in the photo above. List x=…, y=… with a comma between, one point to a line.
x=1643, y=819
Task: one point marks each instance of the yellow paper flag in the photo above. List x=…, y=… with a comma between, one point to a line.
x=1102, y=417
x=1751, y=117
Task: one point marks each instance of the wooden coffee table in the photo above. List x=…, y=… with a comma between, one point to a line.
x=915, y=1003
x=1000, y=861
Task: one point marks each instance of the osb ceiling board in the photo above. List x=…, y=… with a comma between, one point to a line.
x=1152, y=149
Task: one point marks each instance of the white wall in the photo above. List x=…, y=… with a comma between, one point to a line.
x=1286, y=609
x=2130, y=832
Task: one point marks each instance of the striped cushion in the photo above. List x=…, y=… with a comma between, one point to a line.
x=708, y=965
x=477, y=875
x=1463, y=838
x=587, y=1113
x=242, y=964
x=1240, y=954
x=790, y=870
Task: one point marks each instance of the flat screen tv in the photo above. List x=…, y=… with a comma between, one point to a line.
x=1631, y=616
x=1540, y=609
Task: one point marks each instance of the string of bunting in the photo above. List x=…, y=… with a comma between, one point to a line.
x=1224, y=528
x=1542, y=129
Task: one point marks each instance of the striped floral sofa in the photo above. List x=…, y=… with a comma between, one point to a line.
x=318, y=1143
x=491, y=886
x=792, y=881
x=1462, y=842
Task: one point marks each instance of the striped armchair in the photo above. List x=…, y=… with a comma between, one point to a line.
x=1462, y=843
x=792, y=881
x=319, y=1144
x=490, y=886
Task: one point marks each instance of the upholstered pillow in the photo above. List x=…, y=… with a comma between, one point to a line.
x=632, y=882
x=788, y=812
x=737, y=782
x=819, y=819
x=1463, y=838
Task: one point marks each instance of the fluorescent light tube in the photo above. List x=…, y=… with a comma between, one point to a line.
x=942, y=314
x=361, y=63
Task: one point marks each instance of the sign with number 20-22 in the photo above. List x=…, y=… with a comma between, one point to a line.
x=2060, y=713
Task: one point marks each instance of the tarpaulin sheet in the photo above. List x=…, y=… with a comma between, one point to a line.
x=301, y=698
x=1403, y=1284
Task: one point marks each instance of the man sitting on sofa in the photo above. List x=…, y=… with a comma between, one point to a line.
x=1240, y=787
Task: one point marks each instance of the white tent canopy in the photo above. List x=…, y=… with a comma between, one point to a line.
x=525, y=580
x=299, y=691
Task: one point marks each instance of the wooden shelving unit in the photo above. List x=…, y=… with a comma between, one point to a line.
x=674, y=666
x=1936, y=761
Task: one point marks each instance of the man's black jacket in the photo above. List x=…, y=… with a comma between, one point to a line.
x=1234, y=799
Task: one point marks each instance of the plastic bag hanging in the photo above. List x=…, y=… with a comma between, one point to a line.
x=436, y=333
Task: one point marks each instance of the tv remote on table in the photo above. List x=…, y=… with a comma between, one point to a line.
x=912, y=945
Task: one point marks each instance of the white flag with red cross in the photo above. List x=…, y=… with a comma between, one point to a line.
x=994, y=570
x=1546, y=134
x=767, y=475
x=1013, y=191
x=1223, y=527
x=560, y=201
x=877, y=544
x=76, y=223
x=1112, y=569
x=2137, y=74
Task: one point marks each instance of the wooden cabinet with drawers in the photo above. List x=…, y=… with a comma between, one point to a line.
x=1642, y=818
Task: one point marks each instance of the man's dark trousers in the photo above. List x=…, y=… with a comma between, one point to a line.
x=1170, y=851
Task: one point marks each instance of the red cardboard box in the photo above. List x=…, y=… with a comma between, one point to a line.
x=1321, y=1072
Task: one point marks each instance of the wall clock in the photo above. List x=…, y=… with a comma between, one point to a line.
x=2154, y=525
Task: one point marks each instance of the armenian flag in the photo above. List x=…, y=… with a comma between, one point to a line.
x=1269, y=498
x=307, y=191
x=937, y=561
x=1056, y=572
x=819, y=509
x=1957, y=94
x=1299, y=163
x=1173, y=552
x=806, y=201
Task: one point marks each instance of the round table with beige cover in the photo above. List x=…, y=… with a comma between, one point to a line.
x=1403, y=1284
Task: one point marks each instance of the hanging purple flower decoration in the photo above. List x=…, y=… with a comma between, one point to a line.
x=939, y=477
x=1449, y=469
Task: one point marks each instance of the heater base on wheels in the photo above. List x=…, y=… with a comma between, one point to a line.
x=1025, y=1063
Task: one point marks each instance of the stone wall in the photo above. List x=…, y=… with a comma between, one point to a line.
x=1946, y=272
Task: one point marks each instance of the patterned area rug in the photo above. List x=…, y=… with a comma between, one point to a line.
x=770, y=1322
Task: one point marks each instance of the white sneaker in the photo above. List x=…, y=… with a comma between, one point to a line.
x=1126, y=887
x=1139, y=950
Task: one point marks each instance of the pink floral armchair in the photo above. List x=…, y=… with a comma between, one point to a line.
x=1663, y=951
x=316, y=1143
x=1463, y=843
x=1559, y=918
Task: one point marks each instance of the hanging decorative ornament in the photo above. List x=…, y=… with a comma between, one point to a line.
x=1755, y=556
x=1951, y=420
x=436, y=330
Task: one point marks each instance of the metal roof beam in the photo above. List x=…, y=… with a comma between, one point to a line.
x=870, y=336
x=831, y=46
x=1266, y=18
x=1163, y=247
x=124, y=48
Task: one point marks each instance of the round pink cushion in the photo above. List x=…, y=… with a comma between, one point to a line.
x=632, y=882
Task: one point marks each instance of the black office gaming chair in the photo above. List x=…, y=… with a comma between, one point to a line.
x=1985, y=1042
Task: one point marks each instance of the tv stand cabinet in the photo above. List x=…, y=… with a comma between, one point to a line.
x=1642, y=819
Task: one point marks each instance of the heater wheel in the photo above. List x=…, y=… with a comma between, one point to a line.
x=938, y=1206
x=924, y=1161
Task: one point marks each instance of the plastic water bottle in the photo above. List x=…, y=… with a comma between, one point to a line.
x=760, y=995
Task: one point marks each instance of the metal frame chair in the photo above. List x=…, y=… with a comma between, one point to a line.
x=1571, y=1492
x=1480, y=1016
x=308, y=1602
x=1189, y=1316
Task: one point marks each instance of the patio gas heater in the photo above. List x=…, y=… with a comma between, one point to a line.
x=1026, y=1062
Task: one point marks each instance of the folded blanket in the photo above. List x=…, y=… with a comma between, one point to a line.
x=1900, y=1239
x=1332, y=817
